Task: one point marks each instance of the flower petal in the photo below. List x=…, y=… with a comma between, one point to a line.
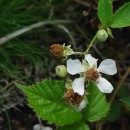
x=108, y=66
x=78, y=85
x=91, y=60
x=82, y=105
x=74, y=67
x=104, y=86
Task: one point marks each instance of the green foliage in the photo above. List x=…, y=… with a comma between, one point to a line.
x=97, y=107
x=122, y=17
x=17, y=14
x=126, y=101
x=123, y=92
x=105, y=12
x=46, y=99
x=15, y=52
x=76, y=126
x=114, y=112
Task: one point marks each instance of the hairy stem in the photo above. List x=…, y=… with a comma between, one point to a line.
x=79, y=53
x=91, y=44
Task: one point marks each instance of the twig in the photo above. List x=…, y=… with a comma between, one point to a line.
x=28, y=28
x=40, y=122
x=68, y=33
x=82, y=3
x=119, y=85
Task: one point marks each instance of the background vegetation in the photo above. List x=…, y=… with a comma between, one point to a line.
x=26, y=58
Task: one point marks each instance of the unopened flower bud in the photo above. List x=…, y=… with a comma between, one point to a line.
x=101, y=35
x=61, y=71
x=61, y=51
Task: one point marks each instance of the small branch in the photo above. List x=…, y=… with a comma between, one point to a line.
x=91, y=44
x=99, y=125
x=82, y=3
x=79, y=53
x=119, y=85
x=68, y=33
x=28, y=28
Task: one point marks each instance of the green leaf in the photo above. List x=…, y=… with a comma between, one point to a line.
x=122, y=17
x=114, y=112
x=105, y=12
x=46, y=99
x=97, y=107
x=123, y=92
x=76, y=126
x=126, y=101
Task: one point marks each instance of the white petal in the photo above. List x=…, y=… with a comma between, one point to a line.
x=47, y=128
x=74, y=67
x=104, y=86
x=41, y=127
x=78, y=85
x=91, y=60
x=108, y=66
x=82, y=105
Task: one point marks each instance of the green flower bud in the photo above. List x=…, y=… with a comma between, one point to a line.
x=68, y=83
x=101, y=35
x=61, y=71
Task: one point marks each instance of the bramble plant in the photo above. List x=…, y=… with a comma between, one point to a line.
x=71, y=102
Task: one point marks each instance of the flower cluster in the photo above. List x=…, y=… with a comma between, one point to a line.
x=88, y=71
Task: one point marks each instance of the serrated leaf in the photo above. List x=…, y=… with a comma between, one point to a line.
x=114, y=112
x=105, y=12
x=76, y=126
x=122, y=17
x=46, y=99
x=97, y=107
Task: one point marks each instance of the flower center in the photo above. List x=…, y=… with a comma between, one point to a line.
x=73, y=97
x=57, y=50
x=92, y=74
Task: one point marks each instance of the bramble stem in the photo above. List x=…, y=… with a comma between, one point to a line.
x=91, y=44
x=88, y=48
x=119, y=85
x=79, y=53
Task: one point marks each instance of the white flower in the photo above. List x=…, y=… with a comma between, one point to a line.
x=91, y=73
